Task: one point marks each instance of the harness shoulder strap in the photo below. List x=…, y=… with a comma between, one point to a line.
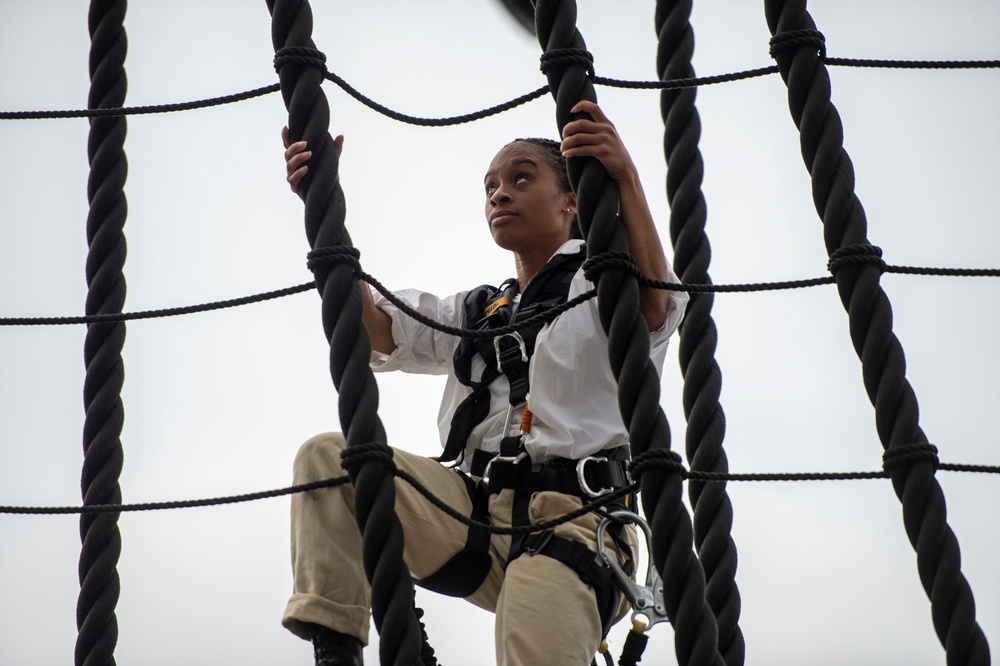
x=487, y=307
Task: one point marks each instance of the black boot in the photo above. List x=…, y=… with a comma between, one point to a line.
x=333, y=648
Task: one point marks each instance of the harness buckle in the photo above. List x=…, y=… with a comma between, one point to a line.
x=647, y=601
x=513, y=460
x=582, y=479
x=535, y=542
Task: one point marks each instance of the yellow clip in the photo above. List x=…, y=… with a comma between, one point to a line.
x=603, y=647
x=496, y=305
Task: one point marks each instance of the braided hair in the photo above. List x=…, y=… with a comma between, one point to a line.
x=552, y=152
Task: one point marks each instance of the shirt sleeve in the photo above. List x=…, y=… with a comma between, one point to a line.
x=419, y=349
x=676, y=305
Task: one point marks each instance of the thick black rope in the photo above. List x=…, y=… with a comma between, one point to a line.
x=350, y=348
x=696, y=633
x=706, y=420
x=870, y=315
x=102, y=448
x=645, y=282
x=709, y=477
x=671, y=84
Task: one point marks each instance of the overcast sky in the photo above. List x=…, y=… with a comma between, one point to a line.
x=218, y=403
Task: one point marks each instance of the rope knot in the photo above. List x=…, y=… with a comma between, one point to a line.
x=554, y=58
x=299, y=55
x=593, y=267
x=904, y=455
x=334, y=254
x=863, y=253
x=793, y=39
x=657, y=458
x=356, y=455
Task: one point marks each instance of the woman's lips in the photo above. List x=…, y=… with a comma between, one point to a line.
x=502, y=217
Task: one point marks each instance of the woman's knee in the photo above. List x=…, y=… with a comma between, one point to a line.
x=319, y=458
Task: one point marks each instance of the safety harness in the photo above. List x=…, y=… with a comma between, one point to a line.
x=509, y=354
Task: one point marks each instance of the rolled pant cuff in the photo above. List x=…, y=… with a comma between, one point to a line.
x=350, y=620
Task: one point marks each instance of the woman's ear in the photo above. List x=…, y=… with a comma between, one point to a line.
x=571, y=203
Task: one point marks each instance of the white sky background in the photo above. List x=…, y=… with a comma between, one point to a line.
x=218, y=403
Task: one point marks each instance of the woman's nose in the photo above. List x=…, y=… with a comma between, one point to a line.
x=499, y=196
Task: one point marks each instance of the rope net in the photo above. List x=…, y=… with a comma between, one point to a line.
x=365, y=424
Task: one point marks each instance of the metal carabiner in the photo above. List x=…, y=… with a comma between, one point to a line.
x=647, y=600
x=581, y=477
x=520, y=343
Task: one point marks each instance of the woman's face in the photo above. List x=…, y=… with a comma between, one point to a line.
x=525, y=206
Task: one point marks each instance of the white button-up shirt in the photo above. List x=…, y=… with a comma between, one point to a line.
x=573, y=394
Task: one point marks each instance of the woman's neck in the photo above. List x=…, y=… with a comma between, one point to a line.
x=527, y=264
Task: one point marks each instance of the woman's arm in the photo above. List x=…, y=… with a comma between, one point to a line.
x=378, y=322
x=599, y=138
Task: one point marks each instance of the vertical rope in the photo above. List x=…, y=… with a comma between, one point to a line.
x=350, y=346
x=696, y=633
x=870, y=315
x=706, y=420
x=102, y=463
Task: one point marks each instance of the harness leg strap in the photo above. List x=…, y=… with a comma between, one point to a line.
x=586, y=563
x=466, y=570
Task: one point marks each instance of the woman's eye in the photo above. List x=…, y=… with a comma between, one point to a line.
x=490, y=188
x=520, y=178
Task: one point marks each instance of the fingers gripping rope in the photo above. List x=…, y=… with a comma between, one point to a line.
x=350, y=347
x=883, y=363
x=628, y=350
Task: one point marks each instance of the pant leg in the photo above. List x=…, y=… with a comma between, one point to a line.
x=330, y=585
x=545, y=613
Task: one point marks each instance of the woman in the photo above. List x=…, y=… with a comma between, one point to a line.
x=552, y=600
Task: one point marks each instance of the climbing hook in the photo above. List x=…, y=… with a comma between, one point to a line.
x=648, y=607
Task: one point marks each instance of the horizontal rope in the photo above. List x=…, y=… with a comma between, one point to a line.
x=550, y=314
x=603, y=501
x=153, y=314
x=462, y=332
x=671, y=84
x=176, y=504
x=140, y=110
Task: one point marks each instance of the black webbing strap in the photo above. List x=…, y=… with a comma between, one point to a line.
x=465, y=572
x=524, y=477
x=587, y=564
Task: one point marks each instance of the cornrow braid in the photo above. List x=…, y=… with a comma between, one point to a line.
x=552, y=152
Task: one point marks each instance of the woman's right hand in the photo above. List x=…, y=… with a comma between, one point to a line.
x=296, y=157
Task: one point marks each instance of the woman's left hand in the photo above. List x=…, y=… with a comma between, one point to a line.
x=597, y=138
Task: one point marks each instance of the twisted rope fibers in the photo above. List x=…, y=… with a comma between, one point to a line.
x=881, y=354
x=392, y=589
x=698, y=337
x=103, y=456
x=709, y=477
x=671, y=84
x=696, y=633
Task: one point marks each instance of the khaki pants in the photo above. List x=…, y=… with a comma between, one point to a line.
x=544, y=613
